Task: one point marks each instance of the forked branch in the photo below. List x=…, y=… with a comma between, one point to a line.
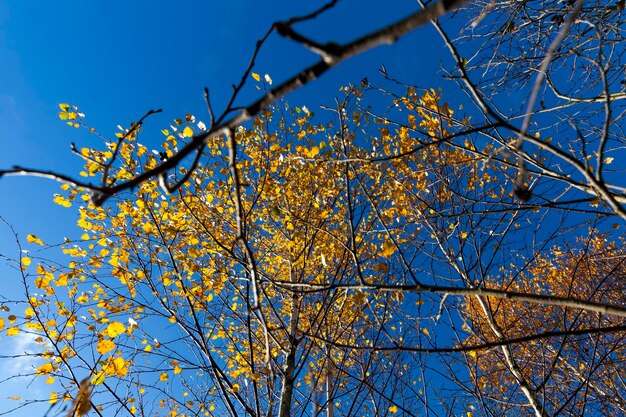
x=331, y=56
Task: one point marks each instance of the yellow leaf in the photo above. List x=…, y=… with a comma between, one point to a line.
x=163, y=377
x=60, y=200
x=256, y=76
x=608, y=160
x=54, y=397
x=13, y=331
x=177, y=369
x=463, y=235
x=50, y=380
x=1, y=323
x=393, y=409
x=25, y=261
x=426, y=332
x=388, y=249
x=116, y=367
x=84, y=224
x=64, y=106
x=34, y=239
x=114, y=328
x=188, y=132
x=105, y=346
x=98, y=378
x=44, y=369
x=147, y=228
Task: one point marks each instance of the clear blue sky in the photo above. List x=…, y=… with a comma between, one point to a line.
x=116, y=60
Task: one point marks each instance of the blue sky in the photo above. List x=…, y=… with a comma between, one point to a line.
x=116, y=60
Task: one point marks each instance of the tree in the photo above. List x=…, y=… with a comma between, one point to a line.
x=366, y=262
x=268, y=290
x=575, y=371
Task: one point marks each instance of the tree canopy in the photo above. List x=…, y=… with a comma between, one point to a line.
x=403, y=249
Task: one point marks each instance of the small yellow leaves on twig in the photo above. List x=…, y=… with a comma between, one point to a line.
x=115, y=328
x=116, y=366
x=34, y=239
x=388, y=249
x=393, y=409
x=105, y=346
x=256, y=76
x=13, y=331
x=608, y=160
x=163, y=377
x=426, y=332
x=54, y=398
x=44, y=369
x=62, y=201
x=188, y=132
x=147, y=228
x=98, y=378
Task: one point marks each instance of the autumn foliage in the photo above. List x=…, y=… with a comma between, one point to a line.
x=159, y=299
x=332, y=264
x=574, y=372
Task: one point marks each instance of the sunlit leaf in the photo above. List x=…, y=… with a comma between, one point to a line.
x=388, y=249
x=105, y=346
x=13, y=331
x=46, y=368
x=115, y=328
x=34, y=239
